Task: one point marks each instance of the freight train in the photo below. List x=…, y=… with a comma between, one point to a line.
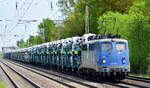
x=96, y=55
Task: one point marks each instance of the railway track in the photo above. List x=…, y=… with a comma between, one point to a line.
x=139, y=79
x=68, y=83
x=127, y=83
x=38, y=79
x=18, y=80
x=136, y=81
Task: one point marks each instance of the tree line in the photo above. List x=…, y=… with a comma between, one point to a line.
x=129, y=18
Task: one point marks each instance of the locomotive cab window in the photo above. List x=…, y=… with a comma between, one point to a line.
x=120, y=46
x=106, y=46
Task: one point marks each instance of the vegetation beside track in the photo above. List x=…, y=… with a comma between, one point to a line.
x=1, y=85
x=140, y=75
x=1, y=54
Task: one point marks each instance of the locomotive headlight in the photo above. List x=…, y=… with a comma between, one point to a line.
x=123, y=60
x=103, y=60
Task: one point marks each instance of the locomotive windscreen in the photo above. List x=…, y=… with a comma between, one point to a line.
x=106, y=46
x=120, y=46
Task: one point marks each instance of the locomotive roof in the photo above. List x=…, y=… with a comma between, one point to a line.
x=106, y=40
x=115, y=39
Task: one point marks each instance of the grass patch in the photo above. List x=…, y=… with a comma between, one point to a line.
x=2, y=85
x=149, y=69
x=1, y=54
x=140, y=75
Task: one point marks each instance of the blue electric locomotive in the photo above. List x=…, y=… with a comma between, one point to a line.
x=105, y=58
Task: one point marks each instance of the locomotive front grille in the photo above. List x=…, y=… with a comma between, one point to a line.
x=118, y=69
x=114, y=69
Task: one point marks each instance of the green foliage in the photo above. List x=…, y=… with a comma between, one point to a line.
x=34, y=40
x=139, y=37
x=77, y=17
x=96, y=8
x=2, y=85
x=141, y=75
x=1, y=54
x=70, y=25
x=116, y=5
x=140, y=44
x=21, y=44
x=114, y=22
x=47, y=30
x=141, y=6
x=31, y=40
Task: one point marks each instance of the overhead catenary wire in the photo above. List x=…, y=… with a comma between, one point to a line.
x=20, y=18
x=11, y=29
x=27, y=9
x=51, y=4
x=22, y=4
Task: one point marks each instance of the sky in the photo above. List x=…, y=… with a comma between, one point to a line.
x=12, y=30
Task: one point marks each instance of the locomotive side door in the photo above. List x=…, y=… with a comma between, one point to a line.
x=88, y=56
